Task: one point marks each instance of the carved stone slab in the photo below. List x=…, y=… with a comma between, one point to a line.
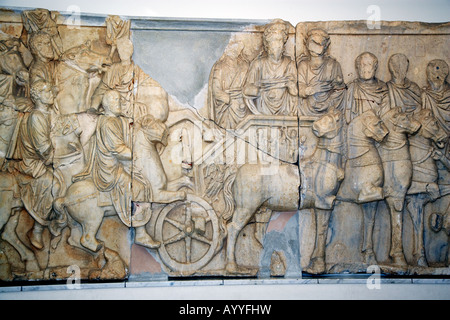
x=143, y=149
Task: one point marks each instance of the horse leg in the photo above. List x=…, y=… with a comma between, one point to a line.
x=90, y=226
x=240, y=219
x=415, y=207
x=9, y=234
x=369, y=210
x=317, y=264
x=90, y=221
x=395, y=210
x=36, y=236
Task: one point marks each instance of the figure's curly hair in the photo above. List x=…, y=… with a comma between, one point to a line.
x=371, y=55
x=273, y=29
x=325, y=37
x=36, y=88
x=35, y=39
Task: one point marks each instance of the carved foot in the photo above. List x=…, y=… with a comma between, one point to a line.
x=143, y=238
x=369, y=257
x=32, y=265
x=398, y=259
x=36, y=239
x=422, y=261
x=90, y=243
x=232, y=268
x=316, y=266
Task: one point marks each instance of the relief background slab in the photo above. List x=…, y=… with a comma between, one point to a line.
x=179, y=55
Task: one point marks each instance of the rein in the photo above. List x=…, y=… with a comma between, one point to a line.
x=75, y=67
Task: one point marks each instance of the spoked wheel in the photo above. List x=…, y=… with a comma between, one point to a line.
x=189, y=234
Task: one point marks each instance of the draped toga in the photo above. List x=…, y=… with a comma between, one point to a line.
x=272, y=78
x=406, y=95
x=32, y=150
x=107, y=170
x=321, y=102
x=225, y=99
x=439, y=102
x=362, y=96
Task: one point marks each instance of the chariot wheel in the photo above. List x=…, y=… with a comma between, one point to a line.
x=189, y=234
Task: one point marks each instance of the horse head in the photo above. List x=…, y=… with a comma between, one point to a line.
x=372, y=126
x=85, y=58
x=11, y=61
x=430, y=127
x=400, y=122
x=329, y=125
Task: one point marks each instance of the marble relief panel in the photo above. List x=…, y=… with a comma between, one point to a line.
x=144, y=149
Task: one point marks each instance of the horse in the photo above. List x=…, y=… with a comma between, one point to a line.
x=321, y=175
x=72, y=77
x=10, y=193
x=424, y=187
x=67, y=139
x=397, y=167
x=364, y=176
x=81, y=201
x=253, y=188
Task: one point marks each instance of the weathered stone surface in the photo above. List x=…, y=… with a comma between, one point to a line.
x=141, y=149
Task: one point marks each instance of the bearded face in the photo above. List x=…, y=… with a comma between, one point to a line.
x=275, y=47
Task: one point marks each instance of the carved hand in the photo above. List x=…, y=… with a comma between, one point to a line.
x=319, y=87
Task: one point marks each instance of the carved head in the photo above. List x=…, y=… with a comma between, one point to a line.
x=125, y=48
x=374, y=128
x=85, y=58
x=111, y=103
x=366, y=65
x=234, y=49
x=398, y=66
x=274, y=38
x=41, y=45
x=41, y=93
x=400, y=121
x=437, y=73
x=431, y=128
x=317, y=42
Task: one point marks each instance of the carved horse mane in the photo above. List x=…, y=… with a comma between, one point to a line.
x=361, y=138
x=425, y=173
x=322, y=173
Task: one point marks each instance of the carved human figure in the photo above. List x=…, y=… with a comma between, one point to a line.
x=366, y=92
x=395, y=155
x=402, y=92
x=14, y=76
x=320, y=80
x=116, y=28
x=31, y=151
x=271, y=85
x=136, y=88
x=436, y=97
x=44, y=64
x=424, y=187
x=41, y=20
x=226, y=102
x=109, y=172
